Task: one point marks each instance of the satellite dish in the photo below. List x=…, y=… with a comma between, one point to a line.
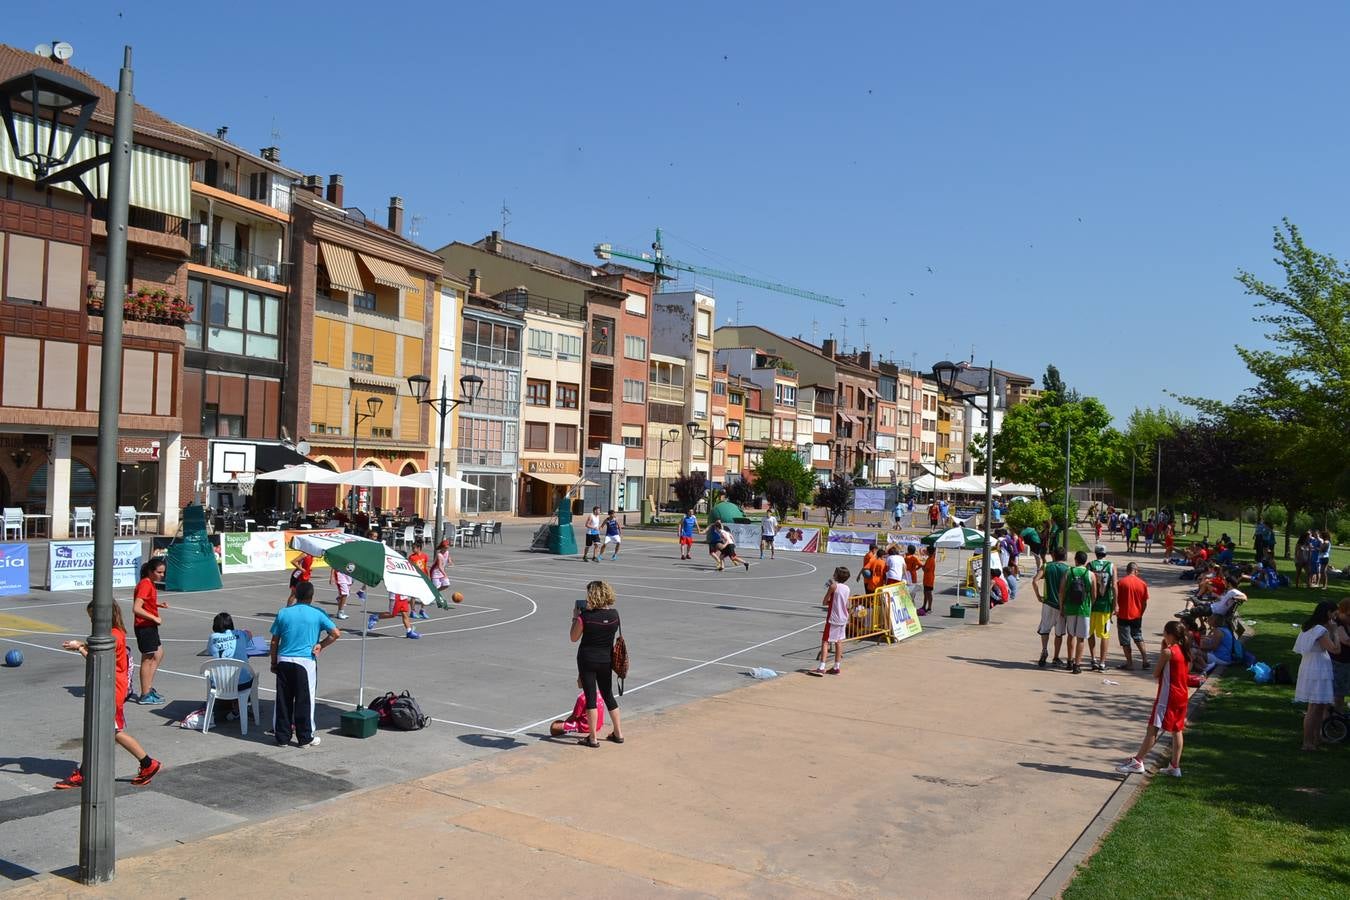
x=44, y=50
x=302, y=448
x=62, y=51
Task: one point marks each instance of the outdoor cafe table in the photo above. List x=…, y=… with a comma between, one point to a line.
x=37, y=519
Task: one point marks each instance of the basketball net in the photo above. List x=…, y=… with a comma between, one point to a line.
x=245, y=481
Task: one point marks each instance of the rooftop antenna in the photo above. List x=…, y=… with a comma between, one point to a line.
x=276, y=133
x=506, y=216
x=843, y=333
x=862, y=323
x=972, y=354
x=815, y=331
x=415, y=226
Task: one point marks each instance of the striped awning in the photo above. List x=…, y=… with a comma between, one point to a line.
x=388, y=274
x=342, y=271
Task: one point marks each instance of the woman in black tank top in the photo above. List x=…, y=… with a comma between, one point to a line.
x=595, y=628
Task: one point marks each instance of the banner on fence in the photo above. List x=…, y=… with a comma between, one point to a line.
x=869, y=498
x=904, y=617
x=70, y=564
x=252, y=551
x=745, y=536
x=849, y=543
x=904, y=538
x=13, y=569
x=803, y=540
x=293, y=555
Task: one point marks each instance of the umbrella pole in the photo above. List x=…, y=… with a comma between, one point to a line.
x=361, y=678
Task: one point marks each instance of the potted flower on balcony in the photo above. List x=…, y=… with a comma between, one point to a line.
x=93, y=302
x=180, y=311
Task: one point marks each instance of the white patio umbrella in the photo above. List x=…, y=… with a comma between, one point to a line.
x=427, y=481
x=367, y=477
x=305, y=473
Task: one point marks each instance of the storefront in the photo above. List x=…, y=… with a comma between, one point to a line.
x=543, y=481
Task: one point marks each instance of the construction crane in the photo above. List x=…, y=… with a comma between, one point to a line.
x=660, y=263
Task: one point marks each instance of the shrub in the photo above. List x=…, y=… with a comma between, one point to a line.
x=689, y=489
x=1032, y=514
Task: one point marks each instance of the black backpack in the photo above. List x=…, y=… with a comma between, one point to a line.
x=399, y=711
x=1077, y=590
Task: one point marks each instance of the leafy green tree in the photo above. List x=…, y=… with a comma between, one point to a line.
x=836, y=498
x=1055, y=390
x=1144, y=431
x=1027, y=453
x=740, y=492
x=782, y=479
x=1033, y=513
x=690, y=489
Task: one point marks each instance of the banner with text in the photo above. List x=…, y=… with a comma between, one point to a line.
x=70, y=564
x=252, y=551
x=904, y=617
x=746, y=536
x=293, y=555
x=13, y=569
x=803, y=540
x=849, y=543
x=869, y=498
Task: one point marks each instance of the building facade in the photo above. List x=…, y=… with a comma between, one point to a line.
x=554, y=370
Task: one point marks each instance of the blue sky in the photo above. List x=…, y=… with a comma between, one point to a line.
x=1082, y=179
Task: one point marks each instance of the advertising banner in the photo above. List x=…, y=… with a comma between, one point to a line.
x=252, y=551
x=70, y=564
x=869, y=498
x=13, y=569
x=905, y=538
x=803, y=540
x=904, y=618
x=746, y=536
x=849, y=543
x=293, y=555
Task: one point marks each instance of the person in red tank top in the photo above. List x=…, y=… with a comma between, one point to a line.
x=1170, y=703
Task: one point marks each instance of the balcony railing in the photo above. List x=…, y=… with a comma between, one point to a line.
x=240, y=262
x=665, y=393
x=158, y=222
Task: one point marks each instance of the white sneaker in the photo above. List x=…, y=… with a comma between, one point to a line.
x=1131, y=767
x=1175, y=772
x=313, y=743
x=342, y=616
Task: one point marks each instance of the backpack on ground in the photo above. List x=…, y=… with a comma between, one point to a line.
x=399, y=711
x=1281, y=675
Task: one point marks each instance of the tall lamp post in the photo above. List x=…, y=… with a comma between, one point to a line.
x=49, y=98
x=696, y=433
x=945, y=375
x=374, y=404
x=1068, y=457
x=470, y=386
x=669, y=437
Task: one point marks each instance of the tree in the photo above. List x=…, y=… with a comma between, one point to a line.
x=1144, y=430
x=1026, y=453
x=836, y=498
x=782, y=479
x=690, y=489
x=740, y=492
x=1055, y=390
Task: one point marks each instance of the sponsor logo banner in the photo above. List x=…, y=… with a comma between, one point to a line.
x=850, y=543
x=803, y=540
x=13, y=569
x=70, y=564
x=253, y=551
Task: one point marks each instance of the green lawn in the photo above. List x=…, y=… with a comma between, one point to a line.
x=1253, y=816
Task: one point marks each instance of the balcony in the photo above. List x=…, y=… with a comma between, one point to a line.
x=824, y=408
x=665, y=393
x=240, y=262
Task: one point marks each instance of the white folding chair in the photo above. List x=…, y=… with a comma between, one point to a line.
x=222, y=679
x=13, y=522
x=83, y=518
x=126, y=520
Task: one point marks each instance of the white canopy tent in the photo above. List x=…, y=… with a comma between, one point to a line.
x=927, y=484
x=971, y=484
x=305, y=473
x=1029, y=490
x=367, y=477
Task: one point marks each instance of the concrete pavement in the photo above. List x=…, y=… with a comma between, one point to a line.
x=948, y=765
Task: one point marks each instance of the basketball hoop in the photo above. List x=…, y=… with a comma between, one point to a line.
x=245, y=480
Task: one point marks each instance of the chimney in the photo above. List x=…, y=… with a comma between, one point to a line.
x=494, y=242
x=335, y=190
x=865, y=359
x=827, y=348
x=475, y=282
x=271, y=154
x=396, y=215
x=222, y=131
x=314, y=184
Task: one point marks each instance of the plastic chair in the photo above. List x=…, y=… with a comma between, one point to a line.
x=476, y=535
x=126, y=520
x=222, y=679
x=496, y=533
x=13, y=522
x=84, y=518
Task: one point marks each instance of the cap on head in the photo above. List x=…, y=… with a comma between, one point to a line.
x=1099, y=550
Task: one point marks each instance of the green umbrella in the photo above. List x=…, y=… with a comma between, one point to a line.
x=960, y=538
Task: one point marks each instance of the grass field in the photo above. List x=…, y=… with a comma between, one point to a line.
x=1253, y=816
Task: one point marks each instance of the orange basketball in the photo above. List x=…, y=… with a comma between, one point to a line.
x=457, y=597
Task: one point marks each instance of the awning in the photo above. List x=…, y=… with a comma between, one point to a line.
x=342, y=271
x=389, y=274
x=870, y=392
x=270, y=457
x=564, y=480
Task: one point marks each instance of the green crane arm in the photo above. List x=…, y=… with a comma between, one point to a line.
x=660, y=262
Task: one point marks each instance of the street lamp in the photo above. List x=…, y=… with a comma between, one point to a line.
x=373, y=404
x=945, y=374
x=48, y=97
x=1068, y=456
x=470, y=386
x=669, y=437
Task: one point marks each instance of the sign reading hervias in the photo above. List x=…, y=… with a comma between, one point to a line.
x=70, y=564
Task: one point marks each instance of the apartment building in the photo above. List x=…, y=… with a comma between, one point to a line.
x=554, y=370
x=53, y=285
x=667, y=397
x=855, y=409
x=682, y=327
x=740, y=397
x=928, y=427
x=815, y=440
x=718, y=427
x=886, y=468
x=359, y=323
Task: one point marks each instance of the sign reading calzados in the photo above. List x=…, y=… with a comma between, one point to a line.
x=70, y=564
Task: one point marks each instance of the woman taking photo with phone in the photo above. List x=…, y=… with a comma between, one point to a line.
x=594, y=629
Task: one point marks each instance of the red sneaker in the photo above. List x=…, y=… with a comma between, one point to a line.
x=73, y=780
x=146, y=773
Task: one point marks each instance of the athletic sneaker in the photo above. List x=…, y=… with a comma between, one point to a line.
x=313, y=743
x=151, y=698
x=412, y=634
x=73, y=780
x=747, y=567
x=834, y=671
x=342, y=616
x=1041, y=662
x=1174, y=771
x=1131, y=767
x=146, y=773
x=371, y=622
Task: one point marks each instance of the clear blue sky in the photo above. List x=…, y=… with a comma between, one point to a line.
x=1083, y=179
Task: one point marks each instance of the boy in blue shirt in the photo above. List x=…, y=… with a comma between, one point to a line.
x=295, y=648
x=688, y=525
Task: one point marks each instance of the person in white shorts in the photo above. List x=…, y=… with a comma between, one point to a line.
x=344, y=589
x=592, y=535
x=613, y=535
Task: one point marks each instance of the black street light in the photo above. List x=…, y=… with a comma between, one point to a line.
x=470, y=386
x=945, y=374
x=670, y=437
x=1068, y=456
x=49, y=98
x=374, y=404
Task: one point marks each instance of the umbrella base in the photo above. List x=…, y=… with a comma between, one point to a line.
x=360, y=723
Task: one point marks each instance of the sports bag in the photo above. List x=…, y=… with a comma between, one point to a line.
x=619, y=659
x=1077, y=590
x=399, y=711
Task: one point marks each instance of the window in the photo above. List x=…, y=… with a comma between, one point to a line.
x=386, y=433
x=704, y=323
x=196, y=296
x=717, y=459
x=905, y=420
x=564, y=439
x=491, y=343
x=734, y=463
x=634, y=391
x=216, y=425
x=736, y=399
x=569, y=346
x=363, y=362
x=536, y=436
x=602, y=336
x=905, y=395
x=719, y=422
x=636, y=304
x=568, y=395
x=536, y=392
x=363, y=300
x=242, y=322
x=700, y=404
x=541, y=343
x=904, y=444
x=634, y=347
x=787, y=430
x=632, y=435
x=701, y=358
x=495, y=496
x=785, y=394
x=665, y=373
x=45, y=272
x=720, y=388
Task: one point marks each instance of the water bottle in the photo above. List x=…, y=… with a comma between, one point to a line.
x=762, y=674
